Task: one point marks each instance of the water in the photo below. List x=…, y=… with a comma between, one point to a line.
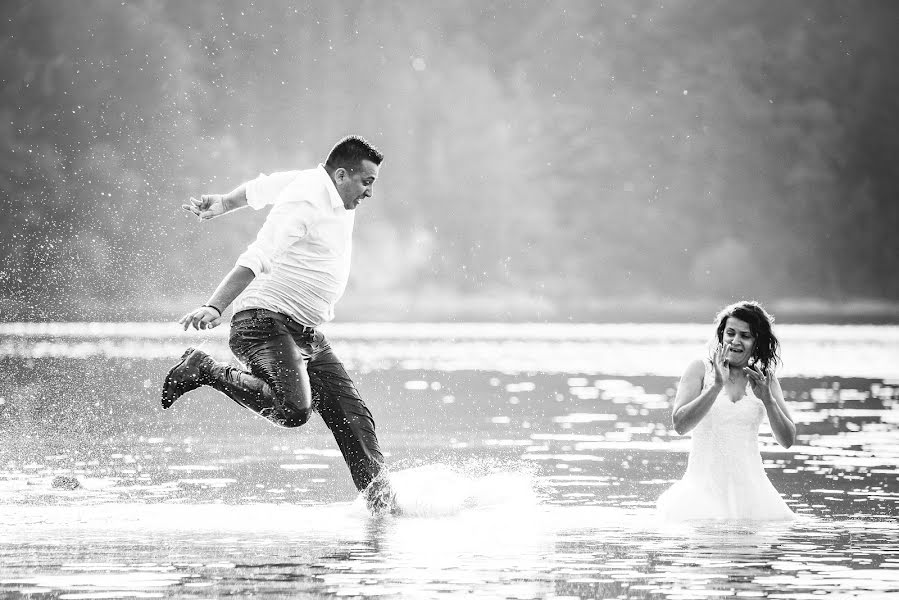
x=533, y=456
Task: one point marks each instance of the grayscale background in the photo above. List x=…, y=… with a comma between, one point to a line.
x=546, y=161
x=571, y=191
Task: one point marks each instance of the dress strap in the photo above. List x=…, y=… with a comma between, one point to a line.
x=708, y=377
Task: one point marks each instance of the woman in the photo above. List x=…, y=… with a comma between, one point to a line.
x=723, y=400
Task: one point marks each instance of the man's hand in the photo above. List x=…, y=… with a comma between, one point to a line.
x=209, y=206
x=204, y=317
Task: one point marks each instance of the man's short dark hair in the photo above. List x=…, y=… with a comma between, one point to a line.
x=349, y=153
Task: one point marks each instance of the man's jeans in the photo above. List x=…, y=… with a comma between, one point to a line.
x=293, y=371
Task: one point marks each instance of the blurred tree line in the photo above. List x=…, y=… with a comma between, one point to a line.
x=544, y=159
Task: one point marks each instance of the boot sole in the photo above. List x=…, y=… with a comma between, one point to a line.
x=169, y=393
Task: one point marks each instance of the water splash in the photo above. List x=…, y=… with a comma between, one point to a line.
x=437, y=490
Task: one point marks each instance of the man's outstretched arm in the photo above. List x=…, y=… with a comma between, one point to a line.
x=210, y=314
x=210, y=206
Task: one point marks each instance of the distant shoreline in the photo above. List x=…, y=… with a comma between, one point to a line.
x=606, y=350
x=434, y=306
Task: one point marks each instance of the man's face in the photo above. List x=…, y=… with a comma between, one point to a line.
x=355, y=186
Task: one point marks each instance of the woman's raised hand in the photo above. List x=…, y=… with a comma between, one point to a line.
x=759, y=383
x=722, y=367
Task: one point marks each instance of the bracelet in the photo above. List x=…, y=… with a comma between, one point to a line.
x=213, y=307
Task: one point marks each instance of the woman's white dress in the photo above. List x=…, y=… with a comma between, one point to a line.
x=725, y=478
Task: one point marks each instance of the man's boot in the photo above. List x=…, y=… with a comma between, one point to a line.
x=380, y=497
x=189, y=374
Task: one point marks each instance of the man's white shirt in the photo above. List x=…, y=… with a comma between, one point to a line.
x=301, y=256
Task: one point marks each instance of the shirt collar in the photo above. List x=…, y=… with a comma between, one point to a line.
x=336, y=200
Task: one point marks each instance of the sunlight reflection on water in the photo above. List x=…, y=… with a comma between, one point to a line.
x=530, y=458
x=623, y=349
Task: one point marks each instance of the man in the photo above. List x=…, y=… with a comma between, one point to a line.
x=283, y=287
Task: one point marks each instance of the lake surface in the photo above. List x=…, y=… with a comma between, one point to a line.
x=533, y=455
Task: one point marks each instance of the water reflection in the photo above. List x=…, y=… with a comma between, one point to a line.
x=550, y=551
x=526, y=483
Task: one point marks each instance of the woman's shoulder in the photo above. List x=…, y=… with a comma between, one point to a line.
x=698, y=367
x=696, y=371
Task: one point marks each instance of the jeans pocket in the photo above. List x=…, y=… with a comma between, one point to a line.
x=252, y=330
x=262, y=324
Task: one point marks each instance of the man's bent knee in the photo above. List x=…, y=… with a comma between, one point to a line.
x=292, y=407
x=296, y=418
x=289, y=417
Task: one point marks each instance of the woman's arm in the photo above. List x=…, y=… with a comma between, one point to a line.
x=768, y=390
x=692, y=403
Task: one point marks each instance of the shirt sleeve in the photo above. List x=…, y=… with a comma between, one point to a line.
x=288, y=221
x=265, y=189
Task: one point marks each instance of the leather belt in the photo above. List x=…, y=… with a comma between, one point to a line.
x=261, y=313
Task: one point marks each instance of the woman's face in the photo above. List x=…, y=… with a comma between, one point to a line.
x=738, y=342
